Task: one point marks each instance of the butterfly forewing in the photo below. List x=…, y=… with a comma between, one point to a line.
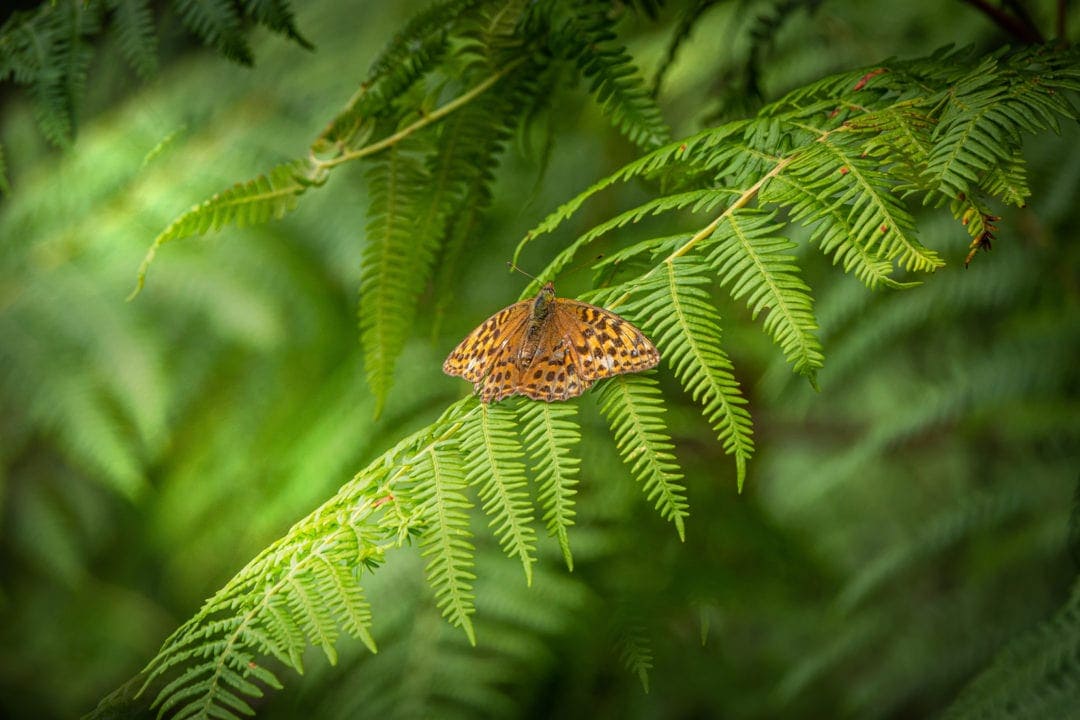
x=552, y=353
x=474, y=356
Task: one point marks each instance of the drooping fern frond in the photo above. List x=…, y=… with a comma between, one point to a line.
x=278, y=16
x=136, y=36
x=635, y=651
x=441, y=486
x=634, y=410
x=256, y=201
x=583, y=31
x=751, y=259
x=493, y=464
x=681, y=319
x=550, y=433
x=217, y=23
x=398, y=255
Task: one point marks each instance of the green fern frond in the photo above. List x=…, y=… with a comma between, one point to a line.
x=1035, y=676
x=684, y=322
x=550, y=433
x=635, y=651
x=583, y=31
x=440, y=492
x=256, y=201
x=695, y=200
x=396, y=260
x=137, y=37
x=635, y=410
x=493, y=464
x=406, y=58
x=278, y=16
x=988, y=110
x=751, y=260
x=217, y=23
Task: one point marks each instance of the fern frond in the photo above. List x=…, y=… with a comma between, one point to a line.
x=635, y=651
x=550, y=432
x=256, y=201
x=751, y=260
x=440, y=491
x=396, y=260
x=493, y=464
x=217, y=23
x=405, y=59
x=634, y=411
x=583, y=31
x=988, y=110
x=278, y=16
x=1035, y=676
x=136, y=35
x=683, y=321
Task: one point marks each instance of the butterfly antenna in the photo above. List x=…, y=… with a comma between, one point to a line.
x=514, y=268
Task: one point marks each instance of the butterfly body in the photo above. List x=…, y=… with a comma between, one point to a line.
x=548, y=348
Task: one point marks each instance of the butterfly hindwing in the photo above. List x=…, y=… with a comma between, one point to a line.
x=604, y=343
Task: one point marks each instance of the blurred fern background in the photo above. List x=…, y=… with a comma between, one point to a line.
x=906, y=528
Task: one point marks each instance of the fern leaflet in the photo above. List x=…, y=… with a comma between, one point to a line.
x=634, y=410
x=493, y=464
x=550, y=432
x=685, y=323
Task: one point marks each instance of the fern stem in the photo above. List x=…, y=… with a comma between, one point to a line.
x=434, y=116
x=708, y=230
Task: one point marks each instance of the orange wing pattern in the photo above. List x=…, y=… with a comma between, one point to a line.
x=553, y=358
x=474, y=356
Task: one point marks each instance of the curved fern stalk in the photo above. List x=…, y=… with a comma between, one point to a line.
x=701, y=143
x=550, y=432
x=413, y=207
x=256, y=201
x=635, y=410
x=749, y=258
x=409, y=55
x=683, y=321
x=264, y=197
x=440, y=492
x=493, y=465
x=695, y=200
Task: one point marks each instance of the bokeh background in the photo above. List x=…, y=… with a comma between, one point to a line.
x=897, y=530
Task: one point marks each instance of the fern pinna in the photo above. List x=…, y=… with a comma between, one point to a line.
x=842, y=157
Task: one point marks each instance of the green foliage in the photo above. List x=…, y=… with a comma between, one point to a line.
x=49, y=49
x=722, y=237
x=1035, y=676
x=634, y=409
x=550, y=433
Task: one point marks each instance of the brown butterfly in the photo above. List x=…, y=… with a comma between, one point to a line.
x=548, y=348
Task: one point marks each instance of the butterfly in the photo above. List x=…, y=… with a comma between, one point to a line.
x=548, y=348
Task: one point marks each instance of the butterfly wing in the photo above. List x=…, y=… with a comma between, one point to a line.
x=601, y=343
x=476, y=355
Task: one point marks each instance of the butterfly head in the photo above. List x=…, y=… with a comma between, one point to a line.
x=544, y=300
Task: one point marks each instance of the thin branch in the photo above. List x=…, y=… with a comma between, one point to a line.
x=1020, y=27
x=423, y=122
